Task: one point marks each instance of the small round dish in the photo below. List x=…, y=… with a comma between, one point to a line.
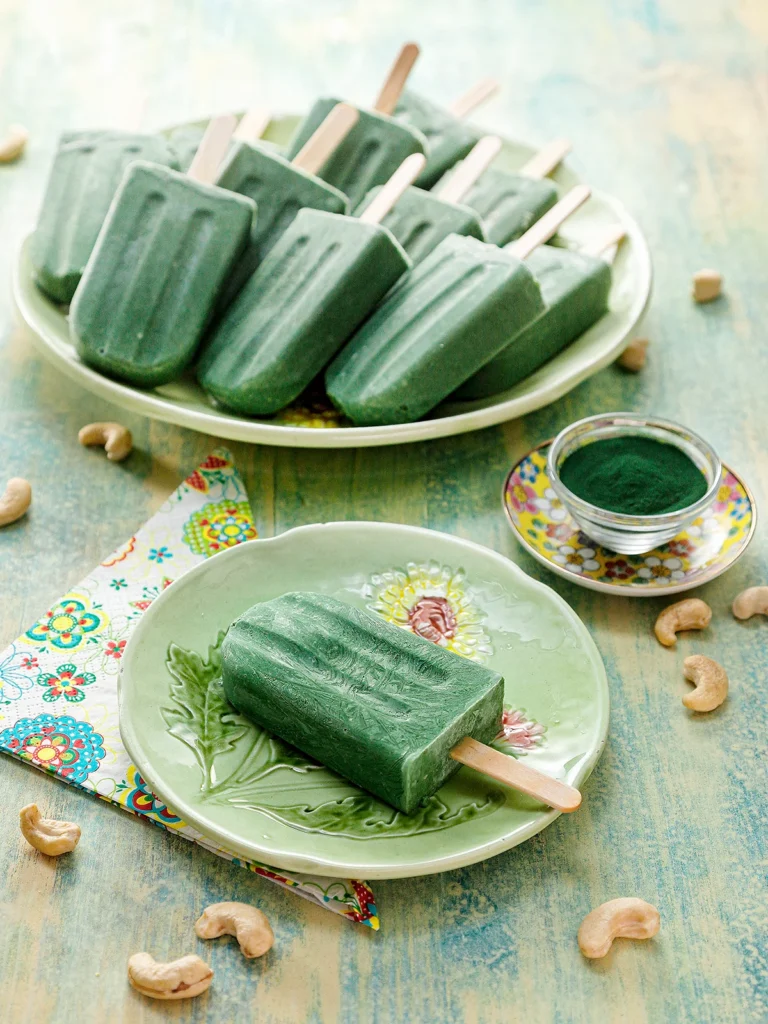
x=623, y=533
x=709, y=546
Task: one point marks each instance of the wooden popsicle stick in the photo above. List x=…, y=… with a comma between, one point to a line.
x=212, y=149
x=319, y=146
x=396, y=79
x=546, y=226
x=252, y=125
x=519, y=776
x=405, y=175
x=547, y=159
x=470, y=169
x=605, y=240
x=472, y=98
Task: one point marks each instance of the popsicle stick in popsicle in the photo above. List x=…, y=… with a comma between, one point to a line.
x=252, y=125
x=212, y=149
x=396, y=79
x=519, y=776
x=546, y=160
x=546, y=226
x=605, y=240
x=471, y=168
x=404, y=176
x=473, y=98
x=334, y=129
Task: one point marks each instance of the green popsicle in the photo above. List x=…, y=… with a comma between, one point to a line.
x=281, y=188
x=86, y=172
x=376, y=146
x=421, y=220
x=508, y=204
x=575, y=288
x=374, y=702
x=319, y=282
x=165, y=250
x=449, y=137
x=452, y=314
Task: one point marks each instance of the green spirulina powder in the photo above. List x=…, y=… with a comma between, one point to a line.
x=634, y=475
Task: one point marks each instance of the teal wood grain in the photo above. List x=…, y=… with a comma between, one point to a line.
x=665, y=102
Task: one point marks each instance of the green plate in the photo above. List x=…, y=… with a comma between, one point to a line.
x=315, y=425
x=264, y=800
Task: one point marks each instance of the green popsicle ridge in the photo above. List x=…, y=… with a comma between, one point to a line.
x=449, y=139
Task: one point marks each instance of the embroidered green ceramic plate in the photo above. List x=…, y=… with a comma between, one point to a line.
x=313, y=424
x=265, y=801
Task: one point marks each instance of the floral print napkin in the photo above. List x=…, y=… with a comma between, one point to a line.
x=58, y=681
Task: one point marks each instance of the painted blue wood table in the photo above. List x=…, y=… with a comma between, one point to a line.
x=666, y=104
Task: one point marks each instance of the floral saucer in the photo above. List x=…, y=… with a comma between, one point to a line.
x=709, y=546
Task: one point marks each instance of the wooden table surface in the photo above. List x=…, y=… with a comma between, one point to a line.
x=667, y=105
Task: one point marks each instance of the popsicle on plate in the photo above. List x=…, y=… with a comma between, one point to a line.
x=421, y=220
x=281, y=188
x=165, y=250
x=318, y=283
x=575, y=286
x=390, y=711
x=376, y=146
x=508, y=204
x=452, y=314
x=86, y=172
x=449, y=137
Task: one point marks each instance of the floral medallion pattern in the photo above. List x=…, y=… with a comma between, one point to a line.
x=218, y=526
x=70, y=624
x=67, y=682
x=60, y=745
x=133, y=794
x=545, y=527
x=432, y=601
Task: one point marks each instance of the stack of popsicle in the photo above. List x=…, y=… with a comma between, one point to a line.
x=380, y=252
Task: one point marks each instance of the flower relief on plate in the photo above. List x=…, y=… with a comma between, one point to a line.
x=242, y=765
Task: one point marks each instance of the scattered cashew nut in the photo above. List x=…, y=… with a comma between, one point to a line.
x=693, y=613
x=14, y=143
x=625, y=918
x=711, y=683
x=115, y=437
x=633, y=356
x=246, y=923
x=181, y=979
x=752, y=601
x=48, y=835
x=707, y=285
x=16, y=500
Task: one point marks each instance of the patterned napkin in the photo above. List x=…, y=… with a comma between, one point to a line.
x=58, y=681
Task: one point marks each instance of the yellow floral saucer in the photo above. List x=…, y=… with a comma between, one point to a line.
x=709, y=546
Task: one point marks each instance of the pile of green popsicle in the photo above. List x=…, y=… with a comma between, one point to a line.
x=380, y=252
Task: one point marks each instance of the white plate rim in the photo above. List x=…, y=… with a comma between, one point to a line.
x=284, y=859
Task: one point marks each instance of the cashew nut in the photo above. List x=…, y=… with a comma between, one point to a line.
x=181, y=979
x=692, y=613
x=752, y=601
x=12, y=146
x=633, y=356
x=16, y=500
x=707, y=285
x=115, y=437
x=711, y=683
x=46, y=834
x=625, y=918
x=246, y=923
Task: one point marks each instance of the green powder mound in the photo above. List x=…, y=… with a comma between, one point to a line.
x=634, y=475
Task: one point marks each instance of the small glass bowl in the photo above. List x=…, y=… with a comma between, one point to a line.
x=628, y=534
